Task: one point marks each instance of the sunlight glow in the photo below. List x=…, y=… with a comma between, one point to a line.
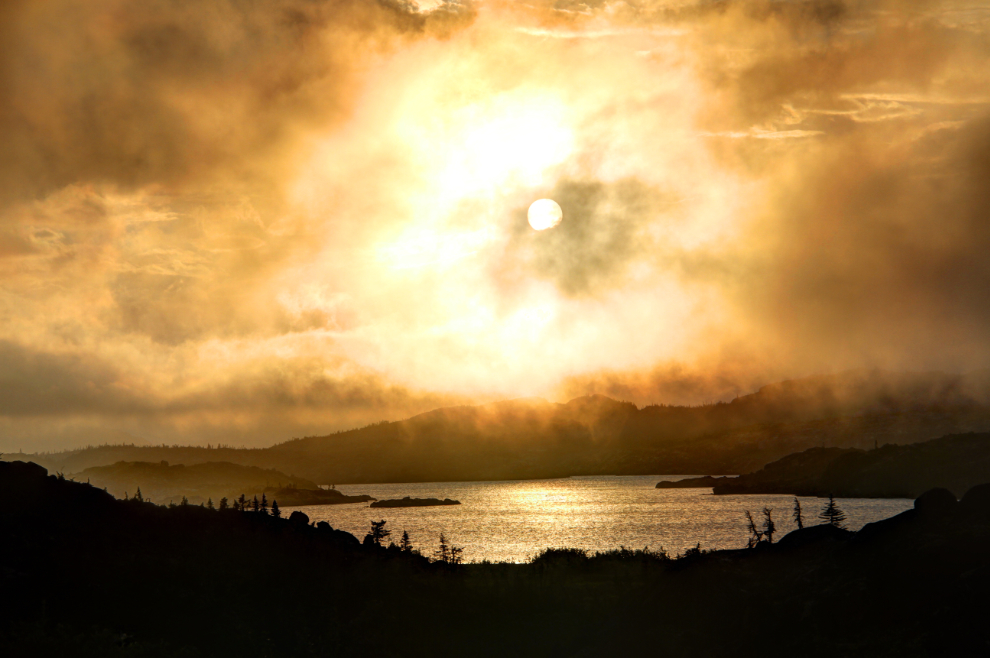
x=510, y=140
x=544, y=214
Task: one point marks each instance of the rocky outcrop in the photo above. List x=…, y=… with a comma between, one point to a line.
x=414, y=502
x=299, y=518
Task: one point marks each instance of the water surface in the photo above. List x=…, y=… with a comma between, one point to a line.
x=513, y=520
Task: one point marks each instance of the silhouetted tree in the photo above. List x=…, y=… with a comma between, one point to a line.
x=209, y=504
x=264, y=504
x=404, y=544
x=832, y=515
x=442, y=554
x=276, y=512
x=242, y=504
x=769, y=527
x=377, y=534
x=694, y=551
x=754, y=535
x=138, y=497
x=447, y=552
x=223, y=504
x=798, y=519
x=185, y=502
x=255, y=505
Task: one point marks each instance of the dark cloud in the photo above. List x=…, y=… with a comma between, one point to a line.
x=601, y=234
x=880, y=252
x=168, y=92
x=41, y=383
x=53, y=394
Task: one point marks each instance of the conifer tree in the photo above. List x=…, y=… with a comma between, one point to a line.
x=832, y=515
x=223, y=504
x=447, y=552
x=769, y=527
x=209, y=504
x=276, y=512
x=138, y=497
x=185, y=502
x=405, y=544
x=255, y=506
x=798, y=519
x=442, y=554
x=264, y=504
x=378, y=533
x=242, y=503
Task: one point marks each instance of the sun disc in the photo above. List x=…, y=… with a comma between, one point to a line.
x=544, y=214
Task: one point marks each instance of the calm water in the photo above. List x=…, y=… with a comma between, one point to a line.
x=512, y=521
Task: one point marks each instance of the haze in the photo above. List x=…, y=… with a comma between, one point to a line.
x=239, y=222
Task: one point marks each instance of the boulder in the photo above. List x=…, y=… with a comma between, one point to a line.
x=976, y=501
x=935, y=502
x=299, y=518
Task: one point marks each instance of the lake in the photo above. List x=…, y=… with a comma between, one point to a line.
x=511, y=521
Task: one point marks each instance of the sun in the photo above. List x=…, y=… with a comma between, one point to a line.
x=544, y=214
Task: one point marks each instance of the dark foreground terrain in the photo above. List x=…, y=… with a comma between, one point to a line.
x=84, y=574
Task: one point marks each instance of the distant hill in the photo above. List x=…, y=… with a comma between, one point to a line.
x=533, y=438
x=161, y=482
x=956, y=463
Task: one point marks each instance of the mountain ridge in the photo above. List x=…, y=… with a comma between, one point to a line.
x=593, y=435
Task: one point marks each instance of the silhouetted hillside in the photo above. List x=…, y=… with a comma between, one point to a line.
x=162, y=482
x=533, y=438
x=87, y=575
x=954, y=462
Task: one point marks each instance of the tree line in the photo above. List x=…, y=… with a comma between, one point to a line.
x=446, y=552
x=830, y=514
x=240, y=504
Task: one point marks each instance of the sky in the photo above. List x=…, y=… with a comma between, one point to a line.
x=237, y=221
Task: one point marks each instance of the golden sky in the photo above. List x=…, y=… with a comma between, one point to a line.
x=242, y=221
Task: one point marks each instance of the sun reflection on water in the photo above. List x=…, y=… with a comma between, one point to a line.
x=512, y=521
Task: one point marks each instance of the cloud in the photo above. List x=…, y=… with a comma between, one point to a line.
x=255, y=219
x=68, y=399
x=164, y=92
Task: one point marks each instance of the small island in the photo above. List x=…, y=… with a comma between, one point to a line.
x=414, y=502
x=695, y=483
x=293, y=497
